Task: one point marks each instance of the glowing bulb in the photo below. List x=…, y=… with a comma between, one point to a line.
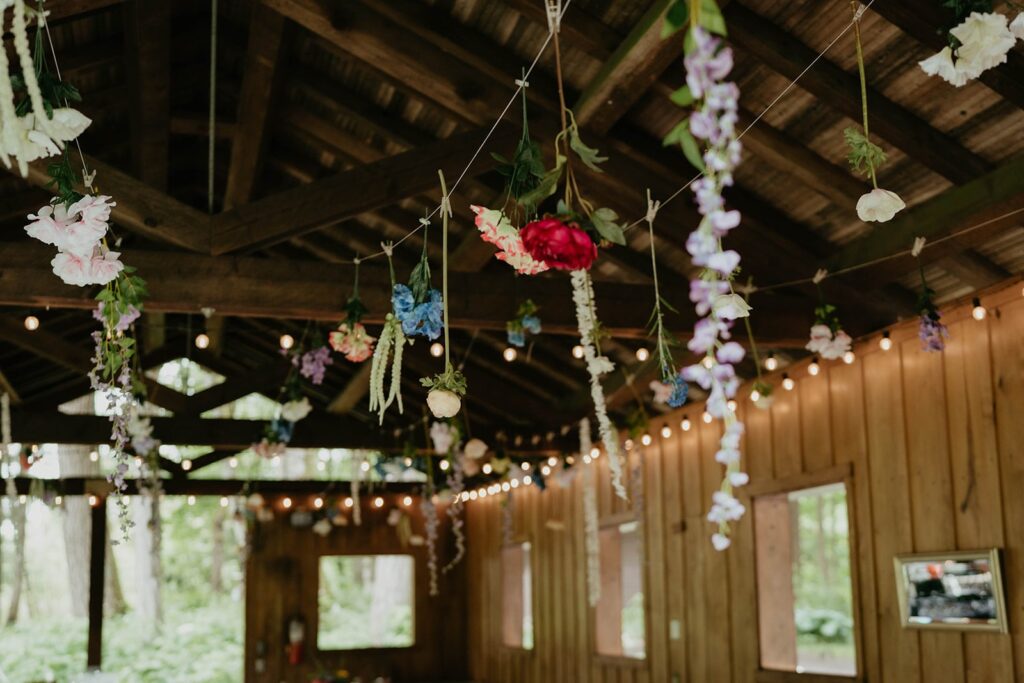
x=545, y=470
x=707, y=362
x=349, y=502
x=514, y=483
x=58, y=500
x=885, y=343
x=813, y=369
x=595, y=452
x=232, y=462
x=202, y=341
x=473, y=495
x=286, y=502
x=444, y=465
x=577, y=351
x=586, y=459
x=93, y=501
x=527, y=480
x=407, y=462
x=378, y=502
x=642, y=354
x=407, y=501
x=978, y=312
x=318, y=502
x=93, y=456
x=487, y=469
x=186, y=465
x=24, y=499
x=364, y=466
x=287, y=341
x=788, y=383
x=31, y=323
x=191, y=500
x=731, y=405
x=646, y=439
x=509, y=354
x=755, y=395
x=506, y=487
x=437, y=349
x=685, y=424
x=223, y=501
x=849, y=357
x=552, y=461
x=771, y=363
x=706, y=416
x=483, y=493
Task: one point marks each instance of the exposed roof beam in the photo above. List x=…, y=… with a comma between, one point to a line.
x=258, y=379
x=260, y=80
x=147, y=28
x=355, y=391
x=66, y=9
x=177, y=486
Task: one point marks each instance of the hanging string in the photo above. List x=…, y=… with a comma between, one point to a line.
x=212, y=142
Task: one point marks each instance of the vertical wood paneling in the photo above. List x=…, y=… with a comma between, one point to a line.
x=936, y=445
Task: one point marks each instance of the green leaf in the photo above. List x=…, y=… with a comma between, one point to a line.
x=675, y=19
x=864, y=156
x=419, y=280
x=711, y=17
x=604, y=220
x=545, y=188
x=682, y=97
x=680, y=135
x=588, y=155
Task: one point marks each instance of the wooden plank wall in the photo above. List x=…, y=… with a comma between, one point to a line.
x=936, y=444
x=282, y=574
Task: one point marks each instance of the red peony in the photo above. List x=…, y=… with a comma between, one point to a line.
x=560, y=245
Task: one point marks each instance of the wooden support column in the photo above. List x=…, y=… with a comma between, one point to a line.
x=97, y=571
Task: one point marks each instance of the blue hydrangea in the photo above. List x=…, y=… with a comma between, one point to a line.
x=425, y=319
x=680, y=390
x=531, y=324
x=282, y=429
x=402, y=301
x=516, y=337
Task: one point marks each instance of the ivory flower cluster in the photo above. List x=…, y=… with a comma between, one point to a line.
x=982, y=42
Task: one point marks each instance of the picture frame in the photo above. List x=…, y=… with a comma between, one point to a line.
x=957, y=590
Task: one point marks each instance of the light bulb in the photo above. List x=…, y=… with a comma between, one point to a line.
x=24, y=499
x=509, y=354
x=186, y=465
x=514, y=483
x=483, y=493
x=586, y=459
x=473, y=495
x=487, y=469
x=506, y=487
x=706, y=416
x=286, y=502
x=885, y=343
x=646, y=439
x=771, y=363
x=577, y=351
x=364, y=466
x=93, y=456
x=642, y=354
x=813, y=369
x=318, y=502
x=223, y=501
x=58, y=500
x=378, y=502
x=191, y=500
x=731, y=405
x=407, y=501
x=788, y=383
x=755, y=395
x=349, y=502
x=93, y=501
x=978, y=312
x=527, y=480
x=437, y=349
x=31, y=323
x=685, y=424
x=595, y=453
x=232, y=462
x=287, y=341
x=849, y=357
x=666, y=432
x=545, y=470
x=525, y=466
x=552, y=461
x=202, y=341
x=444, y=465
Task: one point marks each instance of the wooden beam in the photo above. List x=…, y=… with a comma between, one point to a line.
x=331, y=200
x=314, y=290
x=147, y=29
x=579, y=27
x=259, y=379
x=834, y=87
x=197, y=125
x=59, y=10
x=97, y=580
x=142, y=209
x=101, y=488
x=260, y=80
x=986, y=199
x=355, y=391
x=926, y=22
x=630, y=71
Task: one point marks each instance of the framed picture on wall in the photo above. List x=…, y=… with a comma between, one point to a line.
x=959, y=590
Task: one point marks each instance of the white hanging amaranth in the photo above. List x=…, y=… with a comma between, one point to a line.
x=591, y=539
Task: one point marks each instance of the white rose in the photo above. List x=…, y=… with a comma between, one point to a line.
x=1017, y=26
x=730, y=307
x=293, y=411
x=879, y=205
x=984, y=39
x=475, y=449
x=941, y=65
x=443, y=403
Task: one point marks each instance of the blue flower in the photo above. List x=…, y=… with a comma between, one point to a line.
x=426, y=319
x=516, y=337
x=680, y=390
x=402, y=302
x=282, y=429
x=531, y=324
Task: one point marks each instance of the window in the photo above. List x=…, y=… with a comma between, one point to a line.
x=365, y=601
x=517, y=596
x=619, y=618
x=804, y=587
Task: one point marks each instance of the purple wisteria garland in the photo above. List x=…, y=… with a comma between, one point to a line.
x=713, y=123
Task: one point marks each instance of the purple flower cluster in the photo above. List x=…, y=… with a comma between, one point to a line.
x=124, y=322
x=932, y=332
x=314, y=364
x=713, y=124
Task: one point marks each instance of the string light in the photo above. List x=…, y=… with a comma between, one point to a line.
x=444, y=465
x=31, y=323
x=378, y=502
x=487, y=469
x=58, y=500
x=527, y=480
x=552, y=461
x=202, y=341
x=813, y=369
x=978, y=312
x=223, y=501
x=755, y=395
x=732, y=405
x=232, y=462
x=286, y=502
x=545, y=470
x=506, y=487
x=473, y=495
x=586, y=458
x=666, y=432
x=186, y=464
x=885, y=343
x=407, y=501
x=642, y=354
x=191, y=501
x=514, y=483
x=365, y=466
x=287, y=341
x=771, y=363
x=706, y=417
x=577, y=352
x=788, y=383
x=483, y=493
x=437, y=349
x=349, y=502
x=707, y=362
x=509, y=354
x=685, y=424
x=595, y=453
x=318, y=502
x=93, y=501
x=849, y=357
x=24, y=499
x=93, y=456
x=646, y=439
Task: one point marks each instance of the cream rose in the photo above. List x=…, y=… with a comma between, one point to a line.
x=879, y=205
x=475, y=449
x=730, y=307
x=443, y=403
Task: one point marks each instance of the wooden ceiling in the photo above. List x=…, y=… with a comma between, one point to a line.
x=334, y=116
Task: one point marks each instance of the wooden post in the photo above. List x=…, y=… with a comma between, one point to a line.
x=97, y=569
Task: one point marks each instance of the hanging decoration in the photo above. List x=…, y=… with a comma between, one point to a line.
x=6, y=468
x=525, y=322
x=979, y=40
x=665, y=341
x=828, y=339
x=590, y=520
x=761, y=391
x=446, y=389
x=430, y=521
x=444, y=436
x=351, y=338
x=277, y=433
x=456, y=485
x=866, y=157
x=932, y=332
x=312, y=364
x=357, y=478
x=390, y=346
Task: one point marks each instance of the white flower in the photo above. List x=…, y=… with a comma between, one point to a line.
x=662, y=391
x=293, y=411
x=879, y=205
x=730, y=307
x=984, y=39
x=720, y=541
x=443, y=403
x=1017, y=26
x=941, y=65
x=443, y=437
x=475, y=449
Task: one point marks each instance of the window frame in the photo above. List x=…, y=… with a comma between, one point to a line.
x=623, y=660
x=837, y=474
x=315, y=635
x=518, y=542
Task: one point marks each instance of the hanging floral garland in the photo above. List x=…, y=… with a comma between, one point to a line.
x=526, y=322
x=278, y=432
x=431, y=524
x=389, y=348
x=674, y=385
x=591, y=529
x=932, y=332
x=828, y=339
x=979, y=40
x=351, y=338
x=456, y=485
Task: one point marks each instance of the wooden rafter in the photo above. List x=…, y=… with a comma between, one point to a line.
x=147, y=29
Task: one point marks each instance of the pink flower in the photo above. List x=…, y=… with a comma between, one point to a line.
x=95, y=211
x=352, y=341
x=496, y=229
x=49, y=225
x=72, y=269
x=564, y=246
x=105, y=268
